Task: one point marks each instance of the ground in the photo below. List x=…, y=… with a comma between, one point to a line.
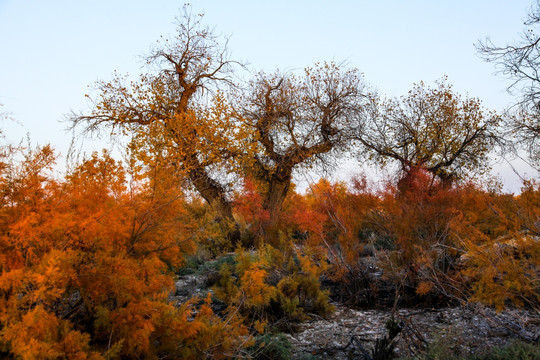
x=469, y=329
x=464, y=330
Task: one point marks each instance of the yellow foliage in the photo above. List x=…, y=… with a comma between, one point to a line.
x=256, y=292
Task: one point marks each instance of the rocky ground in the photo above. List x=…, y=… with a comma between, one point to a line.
x=470, y=329
x=347, y=333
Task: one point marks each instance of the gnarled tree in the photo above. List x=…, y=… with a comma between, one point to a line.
x=431, y=128
x=297, y=121
x=166, y=113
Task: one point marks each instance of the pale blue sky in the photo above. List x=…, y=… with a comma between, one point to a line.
x=50, y=51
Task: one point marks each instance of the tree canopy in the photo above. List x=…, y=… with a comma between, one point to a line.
x=431, y=128
x=296, y=121
x=166, y=113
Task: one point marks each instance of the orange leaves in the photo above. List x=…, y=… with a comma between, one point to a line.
x=253, y=287
x=249, y=206
x=424, y=287
x=308, y=216
x=506, y=271
x=251, y=291
x=41, y=335
x=54, y=275
x=506, y=267
x=333, y=216
x=92, y=254
x=135, y=324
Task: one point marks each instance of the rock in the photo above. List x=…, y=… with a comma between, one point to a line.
x=188, y=286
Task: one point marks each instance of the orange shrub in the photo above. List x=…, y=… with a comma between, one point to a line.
x=85, y=267
x=503, y=263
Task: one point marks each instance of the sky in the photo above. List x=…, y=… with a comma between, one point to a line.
x=52, y=51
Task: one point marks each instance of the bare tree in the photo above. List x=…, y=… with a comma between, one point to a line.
x=520, y=62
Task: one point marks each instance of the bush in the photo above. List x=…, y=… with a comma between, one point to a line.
x=515, y=351
x=270, y=286
x=444, y=349
x=271, y=347
x=85, y=268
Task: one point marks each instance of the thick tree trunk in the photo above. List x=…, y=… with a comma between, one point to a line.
x=273, y=202
x=214, y=194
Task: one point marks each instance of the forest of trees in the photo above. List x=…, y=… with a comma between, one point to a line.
x=88, y=260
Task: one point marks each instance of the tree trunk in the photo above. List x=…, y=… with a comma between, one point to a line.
x=273, y=202
x=214, y=194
